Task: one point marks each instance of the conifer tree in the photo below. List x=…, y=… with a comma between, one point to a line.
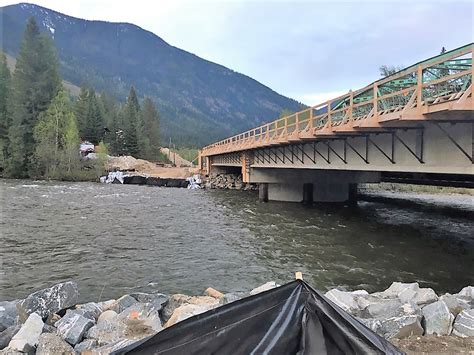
x=35, y=82
x=131, y=113
x=4, y=116
x=81, y=110
x=151, y=124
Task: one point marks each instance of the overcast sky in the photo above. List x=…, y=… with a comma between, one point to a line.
x=308, y=50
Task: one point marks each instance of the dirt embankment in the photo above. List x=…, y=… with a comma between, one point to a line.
x=432, y=344
x=147, y=168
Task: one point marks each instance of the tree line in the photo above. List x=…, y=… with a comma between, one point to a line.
x=41, y=125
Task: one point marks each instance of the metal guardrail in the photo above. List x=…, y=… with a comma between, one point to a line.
x=439, y=83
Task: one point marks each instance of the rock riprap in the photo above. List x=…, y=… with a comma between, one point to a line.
x=50, y=322
x=49, y=301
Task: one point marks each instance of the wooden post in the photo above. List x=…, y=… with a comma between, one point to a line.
x=351, y=104
x=329, y=117
x=311, y=118
x=419, y=88
x=375, y=103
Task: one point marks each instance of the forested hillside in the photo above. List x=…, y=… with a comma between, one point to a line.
x=199, y=101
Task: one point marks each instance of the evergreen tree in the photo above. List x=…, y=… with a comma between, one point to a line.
x=151, y=123
x=89, y=115
x=131, y=121
x=4, y=116
x=81, y=110
x=95, y=123
x=35, y=82
x=57, y=137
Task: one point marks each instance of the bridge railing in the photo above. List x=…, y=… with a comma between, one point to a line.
x=411, y=92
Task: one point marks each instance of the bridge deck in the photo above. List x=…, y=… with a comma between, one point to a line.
x=438, y=89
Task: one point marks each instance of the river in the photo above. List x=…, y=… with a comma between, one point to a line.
x=117, y=239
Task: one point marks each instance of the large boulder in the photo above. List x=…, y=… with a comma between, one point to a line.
x=464, y=324
x=122, y=303
x=107, y=331
x=265, y=287
x=409, y=292
x=107, y=315
x=190, y=306
x=28, y=336
x=155, y=300
x=384, y=308
x=49, y=301
x=467, y=292
x=50, y=344
x=8, y=314
x=456, y=304
x=141, y=316
x=437, y=319
x=7, y=335
x=85, y=346
x=90, y=310
x=73, y=326
x=400, y=327
x=346, y=300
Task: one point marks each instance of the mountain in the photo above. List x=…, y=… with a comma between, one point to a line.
x=199, y=101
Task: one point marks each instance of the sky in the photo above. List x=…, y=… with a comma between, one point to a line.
x=309, y=50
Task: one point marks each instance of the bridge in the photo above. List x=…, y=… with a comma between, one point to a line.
x=415, y=126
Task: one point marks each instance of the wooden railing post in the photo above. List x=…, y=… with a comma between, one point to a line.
x=311, y=118
x=297, y=123
x=375, y=101
x=419, y=88
x=329, y=116
x=351, y=104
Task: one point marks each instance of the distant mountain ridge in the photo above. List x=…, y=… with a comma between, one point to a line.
x=199, y=101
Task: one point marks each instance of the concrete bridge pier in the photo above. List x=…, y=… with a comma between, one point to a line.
x=309, y=186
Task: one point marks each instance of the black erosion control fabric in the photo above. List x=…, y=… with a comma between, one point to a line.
x=291, y=319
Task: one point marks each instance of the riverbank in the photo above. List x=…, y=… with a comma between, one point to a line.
x=50, y=320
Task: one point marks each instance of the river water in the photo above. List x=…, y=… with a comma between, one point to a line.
x=117, y=239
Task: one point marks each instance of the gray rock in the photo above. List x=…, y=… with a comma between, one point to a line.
x=123, y=303
x=48, y=328
x=8, y=351
x=400, y=327
x=107, y=315
x=437, y=319
x=150, y=297
x=467, y=292
x=425, y=296
x=232, y=297
x=85, y=345
x=265, y=287
x=114, y=346
x=399, y=288
x=50, y=344
x=90, y=310
x=8, y=314
x=7, y=335
x=455, y=304
x=73, y=326
x=383, y=309
x=49, y=300
x=174, y=302
x=141, y=315
x=464, y=324
x=346, y=300
x=107, y=331
x=371, y=323
x=28, y=336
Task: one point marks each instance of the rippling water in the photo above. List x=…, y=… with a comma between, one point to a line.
x=115, y=239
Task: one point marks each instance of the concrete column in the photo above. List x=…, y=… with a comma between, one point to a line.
x=263, y=192
x=291, y=192
x=308, y=193
x=353, y=194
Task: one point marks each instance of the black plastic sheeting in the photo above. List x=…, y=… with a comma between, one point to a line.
x=291, y=319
